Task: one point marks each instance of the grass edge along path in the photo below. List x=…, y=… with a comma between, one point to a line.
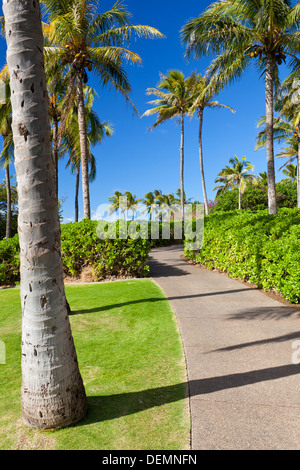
x=132, y=362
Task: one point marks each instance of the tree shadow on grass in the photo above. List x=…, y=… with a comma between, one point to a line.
x=108, y=407
x=105, y=308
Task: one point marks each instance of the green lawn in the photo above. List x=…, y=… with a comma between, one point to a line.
x=132, y=363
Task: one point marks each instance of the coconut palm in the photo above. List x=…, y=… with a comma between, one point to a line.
x=53, y=394
x=173, y=102
x=240, y=31
x=96, y=131
x=149, y=200
x=287, y=125
x=84, y=40
x=235, y=175
x=115, y=201
x=291, y=172
x=202, y=94
x=7, y=154
x=132, y=202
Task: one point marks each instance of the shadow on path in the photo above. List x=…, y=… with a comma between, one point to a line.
x=103, y=408
x=157, y=299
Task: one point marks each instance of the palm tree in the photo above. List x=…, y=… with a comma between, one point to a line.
x=287, y=125
x=291, y=172
x=236, y=175
x=132, y=202
x=149, y=201
x=115, y=201
x=53, y=394
x=202, y=92
x=173, y=102
x=239, y=31
x=7, y=154
x=96, y=131
x=84, y=40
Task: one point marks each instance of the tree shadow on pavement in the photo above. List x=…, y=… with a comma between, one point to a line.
x=108, y=407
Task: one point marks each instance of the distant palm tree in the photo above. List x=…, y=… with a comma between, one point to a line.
x=202, y=92
x=291, y=172
x=115, y=202
x=149, y=201
x=173, y=102
x=236, y=175
x=82, y=40
x=238, y=31
x=132, y=203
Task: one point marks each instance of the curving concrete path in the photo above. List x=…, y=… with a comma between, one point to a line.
x=244, y=385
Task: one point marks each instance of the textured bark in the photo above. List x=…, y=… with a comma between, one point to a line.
x=8, y=202
x=84, y=156
x=53, y=394
x=55, y=152
x=269, y=134
x=201, y=163
x=182, y=167
x=298, y=175
x=77, y=192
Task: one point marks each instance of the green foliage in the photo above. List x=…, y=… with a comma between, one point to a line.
x=81, y=247
x=9, y=261
x=255, y=197
x=256, y=247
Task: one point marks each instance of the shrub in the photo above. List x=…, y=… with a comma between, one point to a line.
x=256, y=247
x=9, y=261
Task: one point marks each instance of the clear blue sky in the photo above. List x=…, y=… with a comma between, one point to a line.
x=139, y=161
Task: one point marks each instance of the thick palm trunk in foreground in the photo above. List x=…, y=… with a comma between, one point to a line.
x=269, y=135
x=53, y=395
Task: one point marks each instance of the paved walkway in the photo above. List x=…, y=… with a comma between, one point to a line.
x=244, y=387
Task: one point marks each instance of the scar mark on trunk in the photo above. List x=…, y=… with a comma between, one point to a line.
x=23, y=131
x=44, y=301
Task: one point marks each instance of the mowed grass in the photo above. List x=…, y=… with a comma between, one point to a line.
x=132, y=362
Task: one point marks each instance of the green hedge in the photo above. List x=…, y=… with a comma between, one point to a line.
x=81, y=248
x=255, y=247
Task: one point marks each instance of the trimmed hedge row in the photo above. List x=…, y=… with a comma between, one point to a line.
x=82, y=248
x=256, y=247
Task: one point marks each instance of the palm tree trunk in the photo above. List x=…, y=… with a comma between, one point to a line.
x=201, y=163
x=8, y=202
x=52, y=394
x=83, y=148
x=240, y=198
x=182, y=167
x=269, y=134
x=298, y=174
x=77, y=192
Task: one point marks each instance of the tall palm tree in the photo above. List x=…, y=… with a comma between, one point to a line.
x=202, y=93
x=240, y=31
x=7, y=154
x=53, y=394
x=173, y=102
x=85, y=40
x=96, y=131
x=287, y=125
x=235, y=175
